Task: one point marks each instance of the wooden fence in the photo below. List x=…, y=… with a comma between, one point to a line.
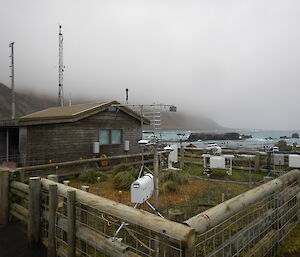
x=261, y=161
x=74, y=167
x=72, y=222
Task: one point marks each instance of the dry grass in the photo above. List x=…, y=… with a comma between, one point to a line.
x=105, y=189
x=191, y=197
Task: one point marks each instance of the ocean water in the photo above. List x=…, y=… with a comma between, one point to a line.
x=259, y=140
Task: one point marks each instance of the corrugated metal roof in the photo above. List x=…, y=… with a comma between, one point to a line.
x=66, y=112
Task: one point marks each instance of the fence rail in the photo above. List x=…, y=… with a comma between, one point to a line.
x=251, y=224
x=77, y=223
x=75, y=167
x=72, y=222
x=261, y=162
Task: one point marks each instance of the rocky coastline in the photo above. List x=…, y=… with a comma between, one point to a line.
x=215, y=136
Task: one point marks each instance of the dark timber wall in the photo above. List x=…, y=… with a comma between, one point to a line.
x=2, y=144
x=70, y=141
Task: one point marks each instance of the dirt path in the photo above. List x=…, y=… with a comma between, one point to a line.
x=13, y=242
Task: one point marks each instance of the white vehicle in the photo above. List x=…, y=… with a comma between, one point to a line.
x=275, y=149
x=211, y=146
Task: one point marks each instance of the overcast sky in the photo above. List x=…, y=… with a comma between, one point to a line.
x=235, y=61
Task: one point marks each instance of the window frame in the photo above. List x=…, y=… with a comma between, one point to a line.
x=110, y=136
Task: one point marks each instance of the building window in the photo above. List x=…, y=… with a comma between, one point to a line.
x=110, y=136
x=104, y=137
x=116, y=136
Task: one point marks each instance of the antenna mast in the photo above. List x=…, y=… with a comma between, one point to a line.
x=60, y=69
x=12, y=76
x=127, y=95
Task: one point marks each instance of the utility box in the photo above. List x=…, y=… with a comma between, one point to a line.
x=142, y=189
x=294, y=161
x=126, y=145
x=217, y=162
x=96, y=147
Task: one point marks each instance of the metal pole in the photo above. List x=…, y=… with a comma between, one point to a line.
x=156, y=180
x=208, y=195
x=181, y=163
x=126, y=95
x=60, y=69
x=13, y=103
x=156, y=192
x=142, y=124
x=250, y=175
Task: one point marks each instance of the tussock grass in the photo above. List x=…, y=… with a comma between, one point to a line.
x=171, y=180
x=123, y=176
x=121, y=168
x=173, y=175
x=92, y=176
x=170, y=186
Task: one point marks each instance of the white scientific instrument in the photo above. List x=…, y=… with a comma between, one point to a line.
x=142, y=189
x=294, y=161
x=173, y=156
x=217, y=160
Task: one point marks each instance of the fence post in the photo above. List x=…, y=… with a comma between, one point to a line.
x=176, y=215
x=189, y=252
x=189, y=249
x=257, y=162
x=83, y=216
x=4, y=196
x=181, y=162
x=66, y=182
x=71, y=236
x=34, y=211
x=53, y=177
x=52, y=220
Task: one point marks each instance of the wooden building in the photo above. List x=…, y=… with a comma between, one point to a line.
x=69, y=133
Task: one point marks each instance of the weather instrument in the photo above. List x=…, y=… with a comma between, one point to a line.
x=217, y=160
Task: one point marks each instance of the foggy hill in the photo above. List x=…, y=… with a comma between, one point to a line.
x=28, y=102
x=182, y=121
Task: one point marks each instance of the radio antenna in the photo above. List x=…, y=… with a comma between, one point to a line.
x=12, y=76
x=127, y=95
x=60, y=69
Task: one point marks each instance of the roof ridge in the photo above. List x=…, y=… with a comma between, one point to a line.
x=91, y=108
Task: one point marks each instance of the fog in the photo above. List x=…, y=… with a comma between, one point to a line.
x=234, y=61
